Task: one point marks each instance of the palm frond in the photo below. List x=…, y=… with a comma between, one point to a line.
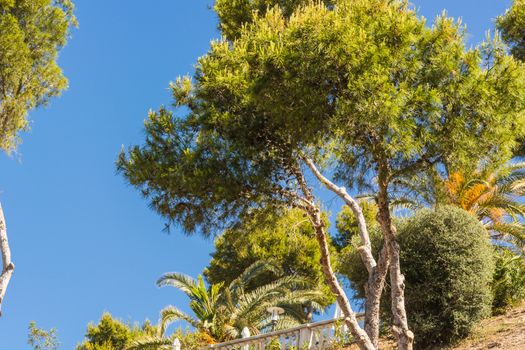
x=516, y=230
x=171, y=314
x=183, y=282
x=253, y=271
x=150, y=343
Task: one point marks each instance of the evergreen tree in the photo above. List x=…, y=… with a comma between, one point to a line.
x=284, y=241
x=363, y=88
x=32, y=32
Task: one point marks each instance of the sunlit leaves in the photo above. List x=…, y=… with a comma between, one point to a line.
x=31, y=34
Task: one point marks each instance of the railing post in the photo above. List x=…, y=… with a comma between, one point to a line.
x=245, y=334
x=176, y=344
x=305, y=338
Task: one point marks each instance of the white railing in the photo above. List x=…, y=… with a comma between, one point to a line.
x=312, y=336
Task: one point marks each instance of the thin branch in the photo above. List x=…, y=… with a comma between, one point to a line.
x=366, y=248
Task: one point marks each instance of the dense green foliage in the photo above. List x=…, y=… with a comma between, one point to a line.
x=364, y=88
x=448, y=266
x=512, y=27
x=285, y=86
x=447, y=262
x=508, y=285
x=347, y=241
x=40, y=339
x=347, y=227
x=286, y=241
x=492, y=195
x=112, y=334
x=234, y=14
x=223, y=310
x=31, y=34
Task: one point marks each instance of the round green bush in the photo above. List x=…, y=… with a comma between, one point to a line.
x=447, y=260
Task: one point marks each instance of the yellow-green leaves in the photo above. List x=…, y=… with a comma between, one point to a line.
x=512, y=26
x=31, y=34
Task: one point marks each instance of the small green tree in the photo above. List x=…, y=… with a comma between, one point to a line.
x=32, y=32
x=284, y=241
x=113, y=334
x=223, y=310
x=508, y=285
x=40, y=339
x=448, y=263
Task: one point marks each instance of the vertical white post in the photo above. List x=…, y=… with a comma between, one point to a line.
x=245, y=334
x=176, y=344
x=305, y=336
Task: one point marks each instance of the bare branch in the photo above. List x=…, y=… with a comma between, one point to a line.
x=366, y=249
x=7, y=265
x=363, y=340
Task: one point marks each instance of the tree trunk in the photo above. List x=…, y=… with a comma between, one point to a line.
x=405, y=338
x=373, y=291
x=314, y=213
x=377, y=271
x=7, y=264
x=361, y=337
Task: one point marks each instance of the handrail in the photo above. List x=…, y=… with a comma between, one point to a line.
x=279, y=332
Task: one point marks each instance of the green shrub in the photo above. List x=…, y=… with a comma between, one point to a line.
x=447, y=260
x=508, y=285
x=446, y=257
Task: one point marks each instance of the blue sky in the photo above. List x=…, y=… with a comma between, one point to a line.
x=82, y=240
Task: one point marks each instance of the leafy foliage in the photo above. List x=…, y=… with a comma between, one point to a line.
x=347, y=226
x=285, y=240
x=287, y=85
x=31, y=34
x=447, y=260
x=512, y=26
x=40, y=339
x=112, y=334
x=234, y=14
x=494, y=196
x=349, y=264
x=364, y=88
x=195, y=178
x=508, y=285
x=222, y=311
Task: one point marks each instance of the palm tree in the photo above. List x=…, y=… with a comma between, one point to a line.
x=493, y=196
x=221, y=312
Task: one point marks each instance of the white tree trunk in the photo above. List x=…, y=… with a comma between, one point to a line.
x=7, y=265
x=405, y=337
x=361, y=337
x=308, y=204
x=377, y=271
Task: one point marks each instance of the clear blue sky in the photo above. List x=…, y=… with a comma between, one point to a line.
x=84, y=242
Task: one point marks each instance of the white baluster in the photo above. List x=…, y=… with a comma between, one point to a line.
x=176, y=344
x=245, y=334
